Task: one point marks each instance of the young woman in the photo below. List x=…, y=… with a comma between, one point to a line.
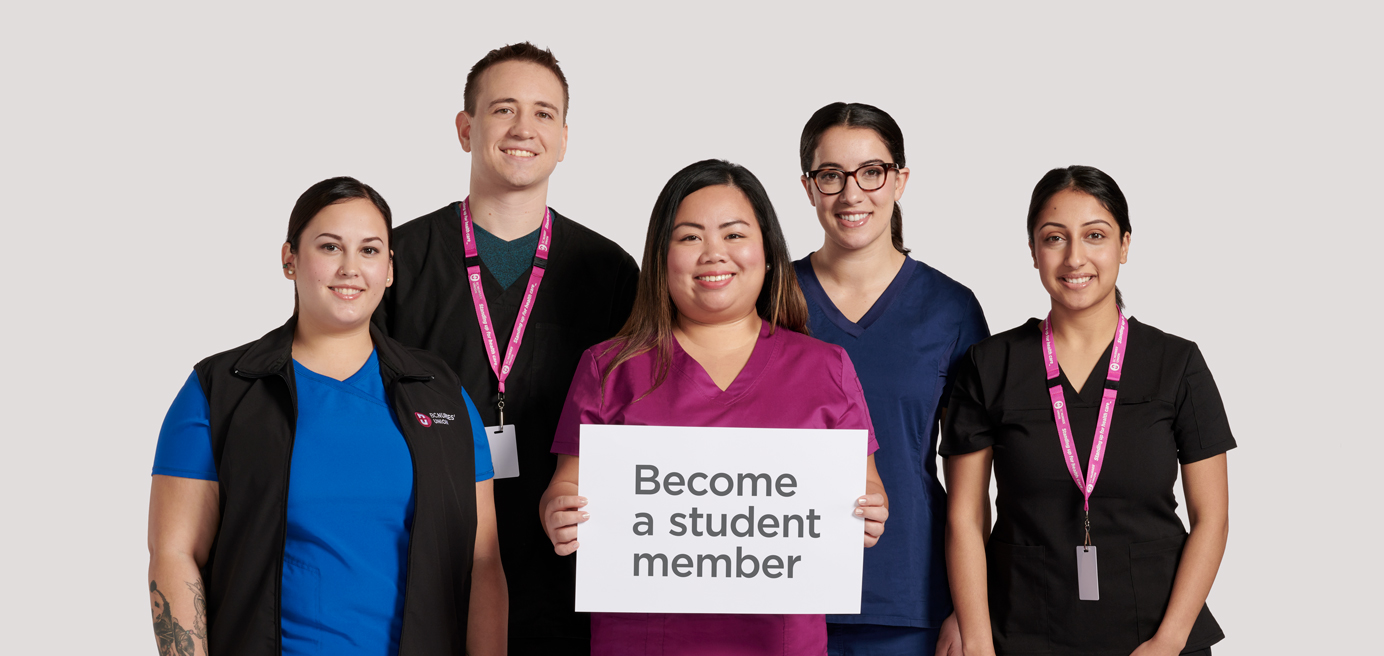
x=311, y=485
x=1085, y=418
x=715, y=340
x=905, y=325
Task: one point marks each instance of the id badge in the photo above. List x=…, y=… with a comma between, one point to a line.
x=504, y=450
x=1087, y=583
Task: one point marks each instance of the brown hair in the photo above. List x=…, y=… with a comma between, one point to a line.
x=650, y=326
x=514, y=52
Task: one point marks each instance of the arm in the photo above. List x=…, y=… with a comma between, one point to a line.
x=874, y=506
x=968, y=529
x=560, y=508
x=183, y=517
x=1205, y=484
x=487, y=624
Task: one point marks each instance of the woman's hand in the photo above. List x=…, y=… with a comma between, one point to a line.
x=560, y=509
x=872, y=507
x=560, y=519
x=949, y=638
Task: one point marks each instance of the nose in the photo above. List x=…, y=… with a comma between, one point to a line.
x=1076, y=253
x=522, y=127
x=350, y=266
x=713, y=250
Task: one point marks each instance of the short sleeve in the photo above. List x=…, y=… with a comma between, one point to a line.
x=485, y=469
x=1200, y=427
x=973, y=329
x=968, y=427
x=856, y=414
x=583, y=406
x=184, y=448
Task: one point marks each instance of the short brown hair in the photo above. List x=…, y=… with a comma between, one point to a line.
x=514, y=52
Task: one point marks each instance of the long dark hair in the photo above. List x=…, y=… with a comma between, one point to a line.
x=1088, y=180
x=330, y=192
x=650, y=326
x=857, y=115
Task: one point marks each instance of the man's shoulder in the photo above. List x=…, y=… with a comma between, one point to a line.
x=587, y=243
x=427, y=223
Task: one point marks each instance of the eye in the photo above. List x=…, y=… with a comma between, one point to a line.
x=370, y=250
x=829, y=176
x=503, y=110
x=1053, y=238
x=544, y=115
x=872, y=173
x=689, y=237
x=1096, y=235
x=330, y=248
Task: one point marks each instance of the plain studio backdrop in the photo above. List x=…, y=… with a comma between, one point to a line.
x=151, y=153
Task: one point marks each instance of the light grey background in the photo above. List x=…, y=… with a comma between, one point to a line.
x=151, y=151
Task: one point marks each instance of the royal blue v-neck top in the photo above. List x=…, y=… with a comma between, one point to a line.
x=350, y=506
x=905, y=350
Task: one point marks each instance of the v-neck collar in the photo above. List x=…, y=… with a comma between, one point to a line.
x=1094, y=387
x=813, y=288
x=765, y=348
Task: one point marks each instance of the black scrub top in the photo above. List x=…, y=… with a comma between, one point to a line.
x=586, y=295
x=1168, y=412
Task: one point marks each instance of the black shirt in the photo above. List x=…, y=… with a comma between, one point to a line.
x=587, y=293
x=1168, y=412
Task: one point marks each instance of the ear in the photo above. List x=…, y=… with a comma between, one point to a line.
x=900, y=181
x=288, y=258
x=1124, y=247
x=807, y=186
x=464, y=130
x=1032, y=252
x=389, y=277
x=563, y=152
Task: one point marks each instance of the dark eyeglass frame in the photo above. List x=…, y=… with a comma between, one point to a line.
x=812, y=175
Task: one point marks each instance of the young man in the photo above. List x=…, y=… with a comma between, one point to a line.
x=472, y=274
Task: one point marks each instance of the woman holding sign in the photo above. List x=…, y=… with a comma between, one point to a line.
x=715, y=339
x=906, y=326
x=1085, y=418
x=310, y=485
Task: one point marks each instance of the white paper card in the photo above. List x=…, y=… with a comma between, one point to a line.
x=1087, y=576
x=504, y=450
x=736, y=520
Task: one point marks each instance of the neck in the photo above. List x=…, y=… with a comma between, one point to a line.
x=860, y=267
x=726, y=336
x=508, y=214
x=320, y=349
x=1091, y=326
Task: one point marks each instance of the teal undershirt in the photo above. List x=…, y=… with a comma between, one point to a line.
x=506, y=260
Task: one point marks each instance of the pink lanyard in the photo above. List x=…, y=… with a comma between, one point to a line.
x=1107, y=409
x=473, y=274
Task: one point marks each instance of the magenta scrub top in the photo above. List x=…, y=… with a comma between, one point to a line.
x=790, y=381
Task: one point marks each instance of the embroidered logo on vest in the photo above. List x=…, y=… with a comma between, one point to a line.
x=423, y=419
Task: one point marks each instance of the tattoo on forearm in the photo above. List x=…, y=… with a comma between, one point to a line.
x=173, y=639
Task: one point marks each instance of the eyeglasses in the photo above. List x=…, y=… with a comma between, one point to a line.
x=833, y=181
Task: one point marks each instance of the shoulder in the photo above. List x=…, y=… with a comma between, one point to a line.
x=1166, y=347
x=587, y=244
x=997, y=347
x=805, y=348
x=942, y=287
x=428, y=222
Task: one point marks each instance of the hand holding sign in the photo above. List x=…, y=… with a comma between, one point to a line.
x=874, y=508
x=560, y=509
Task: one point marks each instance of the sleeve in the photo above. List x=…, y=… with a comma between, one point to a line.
x=968, y=427
x=583, y=406
x=184, y=448
x=1200, y=426
x=856, y=413
x=485, y=469
x=973, y=329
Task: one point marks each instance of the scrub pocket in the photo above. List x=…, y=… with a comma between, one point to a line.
x=1153, y=567
x=300, y=607
x=1018, y=587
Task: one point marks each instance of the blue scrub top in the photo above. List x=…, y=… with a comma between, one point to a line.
x=350, y=506
x=905, y=350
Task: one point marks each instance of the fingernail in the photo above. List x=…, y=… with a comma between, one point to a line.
x=859, y=512
x=586, y=515
x=581, y=501
x=862, y=501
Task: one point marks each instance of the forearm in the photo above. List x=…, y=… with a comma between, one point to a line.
x=1201, y=559
x=967, y=575
x=178, y=604
x=488, y=620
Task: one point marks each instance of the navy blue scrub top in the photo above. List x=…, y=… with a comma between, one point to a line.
x=905, y=350
x=350, y=506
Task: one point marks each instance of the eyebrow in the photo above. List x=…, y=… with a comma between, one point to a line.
x=1059, y=225
x=339, y=238
x=515, y=101
x=834, y=165
x=699, y=226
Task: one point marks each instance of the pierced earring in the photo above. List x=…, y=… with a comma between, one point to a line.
x=286, y=265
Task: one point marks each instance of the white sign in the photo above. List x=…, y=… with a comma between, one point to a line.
x=721, y=520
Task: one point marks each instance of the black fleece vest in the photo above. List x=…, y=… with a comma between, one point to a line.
x=254, y=412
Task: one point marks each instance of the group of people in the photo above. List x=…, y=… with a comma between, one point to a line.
x=395, y=469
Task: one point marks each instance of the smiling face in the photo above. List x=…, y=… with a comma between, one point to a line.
x=518, y=133
x=855, y=219
x=715, y=257
x=341, y=267
x=1078, y=251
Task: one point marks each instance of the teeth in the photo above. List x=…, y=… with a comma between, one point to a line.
x=854, y=217
x=724, y=276
x=344, y=291
x=1077, y=281
x=519, y=153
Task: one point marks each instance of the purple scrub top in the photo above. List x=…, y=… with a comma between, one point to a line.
x=790, y=381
